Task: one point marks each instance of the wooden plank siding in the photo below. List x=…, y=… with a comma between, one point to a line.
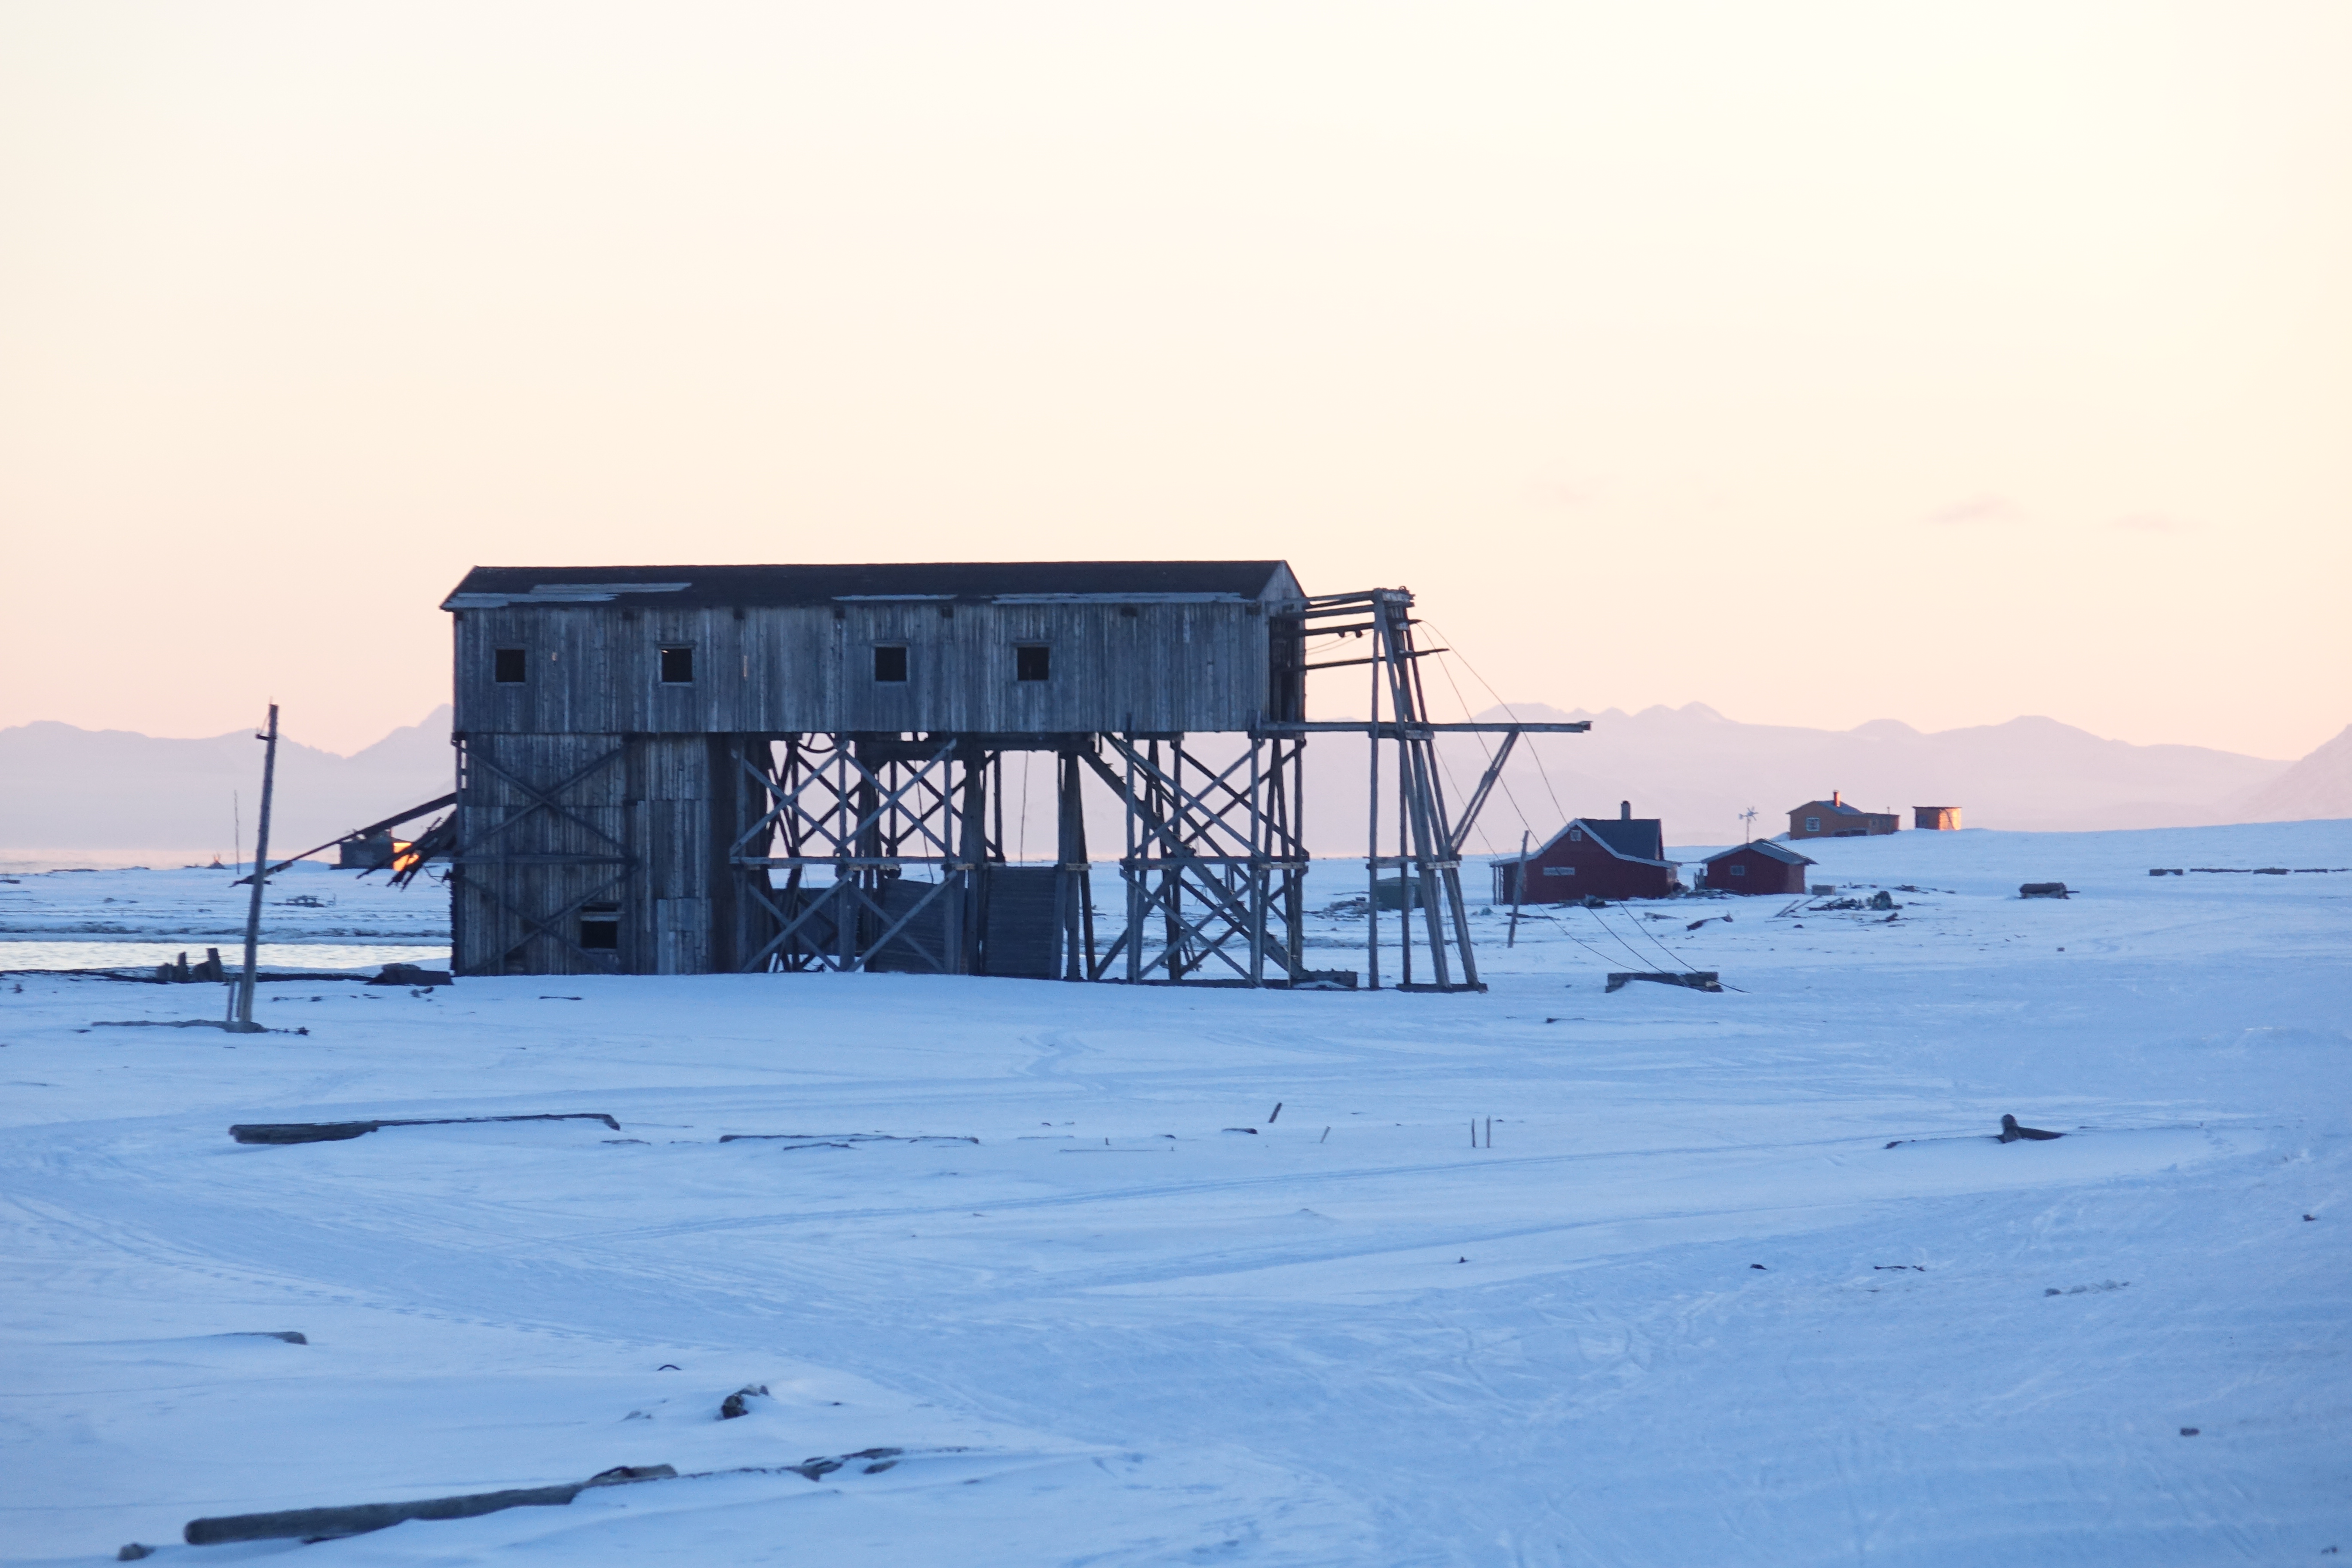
x=596, y=669
x=517, y=861
x=671, y=807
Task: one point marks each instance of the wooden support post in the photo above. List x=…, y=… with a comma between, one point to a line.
x=1373, y=848
x=1070, y=853
x=974, y=852
x=1518, y=889
x=1405, y=899
x=1087, y=917
x=1171, y=873
x=1294, y=903
x=244, y=1023
x=1131, y=869
x=1261, y=880
x=996, y=786
x=1424, y=805
x=1084, y=860
x=1448, y=839
x=856, y=797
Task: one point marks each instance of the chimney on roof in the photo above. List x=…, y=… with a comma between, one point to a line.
x=1835, y=799
x=1624, y=811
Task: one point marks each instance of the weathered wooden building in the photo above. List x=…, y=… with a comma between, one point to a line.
x=685, y=769
x=1936, y=818
x=1759, y=866
x=1832, y=818
x=1592, y=857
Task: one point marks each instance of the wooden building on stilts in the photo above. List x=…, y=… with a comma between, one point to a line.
x=682, y=770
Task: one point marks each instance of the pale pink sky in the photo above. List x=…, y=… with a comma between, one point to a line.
x=1817, y=362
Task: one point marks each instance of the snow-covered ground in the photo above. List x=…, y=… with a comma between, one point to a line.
x=1740, y=1279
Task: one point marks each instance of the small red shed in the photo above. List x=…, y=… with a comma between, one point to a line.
x=1593, y=858
x=1756, y=868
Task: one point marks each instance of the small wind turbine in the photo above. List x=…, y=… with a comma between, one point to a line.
x=1748, y=817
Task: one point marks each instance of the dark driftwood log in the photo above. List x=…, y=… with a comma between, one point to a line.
x=842, y=1139
x=1697, y=980
x=327, y=1523
x=410, y=975
x=300, y=1132
x=335, y=1131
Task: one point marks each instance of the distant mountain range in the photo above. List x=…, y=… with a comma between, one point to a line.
x=2320, y=785
x=1699, y=770
x=83, y=796
x=111, y=796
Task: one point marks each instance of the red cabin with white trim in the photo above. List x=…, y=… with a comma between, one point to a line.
x=1593, y=858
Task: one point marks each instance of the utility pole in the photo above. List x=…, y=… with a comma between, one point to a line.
x=1518, y=889
x=244, y=1024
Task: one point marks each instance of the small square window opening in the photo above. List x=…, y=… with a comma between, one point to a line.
x=891, y=665
x=1033, y=661
x=677, y=666
x=1739, y=871
x=600, y=928
x=510, y=667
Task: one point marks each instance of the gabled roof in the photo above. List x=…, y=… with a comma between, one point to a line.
x=1765, y=847
x=1628, y=837
x=1641, y=839
x=1839, y=808
x=1004, y=582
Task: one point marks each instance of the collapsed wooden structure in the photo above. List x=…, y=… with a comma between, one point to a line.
x=698, y=769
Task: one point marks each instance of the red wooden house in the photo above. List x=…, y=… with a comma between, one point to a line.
x=1832, y=818
x=1593, y=858
x=1756, y=868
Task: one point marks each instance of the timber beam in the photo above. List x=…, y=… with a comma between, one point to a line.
x=1390, y=731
